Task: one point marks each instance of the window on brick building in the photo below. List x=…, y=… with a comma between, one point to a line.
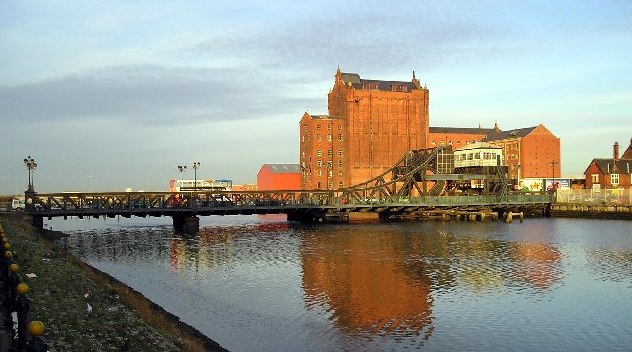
x=331, y=184
x=318, y=137
x=320, y=173
x=319, y=153
x=398, y=87
x=339, y=184
x=614, y=179
x=330, y=173
x=367, y=85
x=318, y=127
x=319, y=163
x=318, y=185
x=303, y=139
x=340, y=137
x=330, y=164
x=434, y=142
x=340, y=164
x=340, y=153
x=330, y=153
x=595, y=178
x=309, y=137
x=329, y=127
x=329, y=137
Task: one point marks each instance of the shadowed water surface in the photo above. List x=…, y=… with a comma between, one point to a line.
x=261, y=283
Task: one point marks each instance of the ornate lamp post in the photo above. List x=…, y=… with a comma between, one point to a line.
x=30, y=165
x=182, y=169
x=196, y=165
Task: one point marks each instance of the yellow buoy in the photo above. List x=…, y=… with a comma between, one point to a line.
x=14, y=268
x=22, y=288
x=36, y=328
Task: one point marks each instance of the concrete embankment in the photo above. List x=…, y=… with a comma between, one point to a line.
x=600, y=211
x=84, y=309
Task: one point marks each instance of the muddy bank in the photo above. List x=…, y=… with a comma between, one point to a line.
x=85, y=309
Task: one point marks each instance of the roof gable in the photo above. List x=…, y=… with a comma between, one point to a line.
x=610, y=166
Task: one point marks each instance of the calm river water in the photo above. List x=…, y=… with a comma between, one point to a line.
x=259, y=283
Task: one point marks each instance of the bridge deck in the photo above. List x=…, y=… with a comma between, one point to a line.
x=145, y=204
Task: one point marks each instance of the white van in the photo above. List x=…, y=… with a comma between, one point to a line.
x=18, y=204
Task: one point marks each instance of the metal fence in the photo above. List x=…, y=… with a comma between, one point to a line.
x=590, y=196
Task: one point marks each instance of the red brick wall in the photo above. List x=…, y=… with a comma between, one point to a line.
x=381, y=126
x=269, y=181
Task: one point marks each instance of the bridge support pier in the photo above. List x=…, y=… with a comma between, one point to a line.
x=37, y=221
x=190, y=224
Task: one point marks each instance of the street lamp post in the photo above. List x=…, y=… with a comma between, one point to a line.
x=196, y=165
x=553, y=163
x=30, y=165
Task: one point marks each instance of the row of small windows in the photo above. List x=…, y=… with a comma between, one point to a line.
x=473, y=156
x=329, y=127
x=318, y=138
x=319, y=185
x=319, y=153
x=330, y=173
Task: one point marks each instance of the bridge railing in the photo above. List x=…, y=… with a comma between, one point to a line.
x=613, y=196
x=73, y=203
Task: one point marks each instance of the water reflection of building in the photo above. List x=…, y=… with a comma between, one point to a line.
x=538, y=264
x=363, y=281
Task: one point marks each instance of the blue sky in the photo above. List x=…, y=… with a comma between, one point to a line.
x=106, y=95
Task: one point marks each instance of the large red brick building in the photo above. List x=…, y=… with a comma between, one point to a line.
x=370, y=125
x=615, y=172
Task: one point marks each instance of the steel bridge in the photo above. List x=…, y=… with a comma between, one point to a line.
x=417, y=184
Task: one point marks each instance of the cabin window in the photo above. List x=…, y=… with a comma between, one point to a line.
x=614, y=179
x=595, y=178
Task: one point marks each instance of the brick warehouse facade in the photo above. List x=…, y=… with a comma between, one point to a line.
x=532, y=152
x=370, y=125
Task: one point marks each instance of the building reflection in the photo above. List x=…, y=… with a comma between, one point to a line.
x=362, y=281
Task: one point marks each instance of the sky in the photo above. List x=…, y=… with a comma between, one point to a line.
x=106, y=95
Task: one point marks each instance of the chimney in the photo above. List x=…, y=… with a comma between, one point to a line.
x=616, y=151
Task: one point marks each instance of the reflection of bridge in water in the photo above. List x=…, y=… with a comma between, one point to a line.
x=422, y=184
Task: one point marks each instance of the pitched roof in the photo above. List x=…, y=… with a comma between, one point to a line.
x=358, y=83
x=628, y=152
x=462, y=130
x=515, y=133
x=607, y=166
x=283, y=168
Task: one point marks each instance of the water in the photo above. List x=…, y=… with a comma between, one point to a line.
x=260, y=283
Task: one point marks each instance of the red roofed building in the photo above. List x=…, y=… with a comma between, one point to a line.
x=275, y=177
x=610, y=172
